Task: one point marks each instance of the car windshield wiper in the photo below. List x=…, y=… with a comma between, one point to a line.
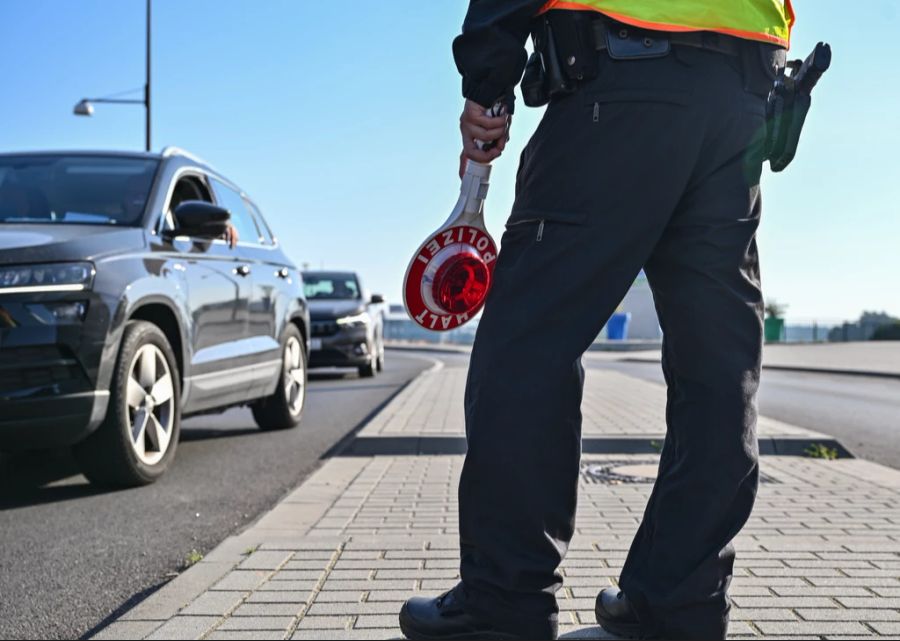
x=81, y=217
x=94, y=219
x=25, y=219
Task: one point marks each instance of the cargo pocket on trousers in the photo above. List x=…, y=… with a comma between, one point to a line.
x=561, y=176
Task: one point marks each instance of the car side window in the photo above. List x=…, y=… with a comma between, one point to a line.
x=187, y=188
x=266, y=236
x=241, y=218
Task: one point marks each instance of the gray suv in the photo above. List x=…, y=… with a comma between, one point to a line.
x=123, y=308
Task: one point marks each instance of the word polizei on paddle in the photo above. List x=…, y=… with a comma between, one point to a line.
x=449, y=276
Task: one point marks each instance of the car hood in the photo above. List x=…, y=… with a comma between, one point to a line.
x=331, y=309
x=56, y=242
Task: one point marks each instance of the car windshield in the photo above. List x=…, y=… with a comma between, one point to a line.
x=100, y=190
x=330, y=286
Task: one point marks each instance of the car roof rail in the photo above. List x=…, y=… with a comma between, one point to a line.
x=178, y=151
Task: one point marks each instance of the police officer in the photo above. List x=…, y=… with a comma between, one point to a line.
x=648, y=156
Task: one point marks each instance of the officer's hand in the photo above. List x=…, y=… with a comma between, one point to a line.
x=475, y=125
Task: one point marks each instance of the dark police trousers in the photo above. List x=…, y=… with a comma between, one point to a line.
x=654, y=164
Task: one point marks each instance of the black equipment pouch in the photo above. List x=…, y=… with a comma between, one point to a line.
x=564, y=55
x=788, y=105
x=576, y=49
x=534, y=82
x=630, y=44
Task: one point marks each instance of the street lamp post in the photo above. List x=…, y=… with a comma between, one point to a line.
x=147, y=85
x=85, y=106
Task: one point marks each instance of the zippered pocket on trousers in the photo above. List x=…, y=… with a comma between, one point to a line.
x=530, y=221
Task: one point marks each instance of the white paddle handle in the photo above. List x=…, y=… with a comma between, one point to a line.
x=469, y=208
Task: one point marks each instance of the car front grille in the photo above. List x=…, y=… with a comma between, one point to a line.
x=23, y=368
x=324, y=328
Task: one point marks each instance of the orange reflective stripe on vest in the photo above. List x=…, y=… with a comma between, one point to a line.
x=763, y=20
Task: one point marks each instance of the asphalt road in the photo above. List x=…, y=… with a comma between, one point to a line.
x=72, y=555
x=862, y=412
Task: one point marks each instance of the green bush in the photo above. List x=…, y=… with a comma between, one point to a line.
x=774, y=309
x=889, y=332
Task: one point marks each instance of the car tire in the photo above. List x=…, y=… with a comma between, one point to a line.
x=136, y=442
x=371, y=368
x=379, y=364
x=283, y=409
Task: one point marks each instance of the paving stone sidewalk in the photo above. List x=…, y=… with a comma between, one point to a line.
x=614, y=405
x=622, y=414
x=819, y=558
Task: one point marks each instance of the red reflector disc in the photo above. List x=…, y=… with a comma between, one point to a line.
x=461, y=284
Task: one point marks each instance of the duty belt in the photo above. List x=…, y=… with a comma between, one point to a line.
x=566, y=42
x=605, y=29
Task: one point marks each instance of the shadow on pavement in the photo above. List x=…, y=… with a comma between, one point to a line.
x=331, y=375
x=189, y=434
x=28, y=478
x=48, y=476
x=595, y=632
x=370, y=386
x=122, y=609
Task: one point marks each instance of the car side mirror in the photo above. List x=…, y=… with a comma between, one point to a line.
x=200, y=219
x=377, y=298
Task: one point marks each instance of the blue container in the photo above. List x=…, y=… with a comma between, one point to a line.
x=617, y=327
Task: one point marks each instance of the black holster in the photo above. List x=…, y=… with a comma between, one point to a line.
x=789, y=104
x=787, y=112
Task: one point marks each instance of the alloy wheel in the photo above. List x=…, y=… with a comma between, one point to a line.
x=294, y=376
x=150, y=400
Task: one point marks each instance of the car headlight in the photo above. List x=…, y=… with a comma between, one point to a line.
x=51, y=277
x=356, y=320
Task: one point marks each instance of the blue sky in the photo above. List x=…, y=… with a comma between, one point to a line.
x=340, y=119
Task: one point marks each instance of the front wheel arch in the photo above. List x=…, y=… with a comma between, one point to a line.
x=300, y=324
x=165, y=318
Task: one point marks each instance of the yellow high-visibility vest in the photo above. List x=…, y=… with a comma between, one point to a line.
x=763, y=20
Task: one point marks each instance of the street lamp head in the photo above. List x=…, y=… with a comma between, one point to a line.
x=84, y=108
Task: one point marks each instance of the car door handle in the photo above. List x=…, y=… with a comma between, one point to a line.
x=242, y=270
x=283, y=273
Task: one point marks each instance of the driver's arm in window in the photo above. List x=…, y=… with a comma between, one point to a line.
x=231, y=236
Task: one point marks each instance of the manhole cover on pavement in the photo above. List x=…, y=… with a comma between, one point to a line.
x=618, y=472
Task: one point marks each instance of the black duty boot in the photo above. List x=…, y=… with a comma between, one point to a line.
x=424, y=619
x=615, y=614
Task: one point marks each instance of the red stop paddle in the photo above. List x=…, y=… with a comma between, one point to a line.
x=449, y=276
